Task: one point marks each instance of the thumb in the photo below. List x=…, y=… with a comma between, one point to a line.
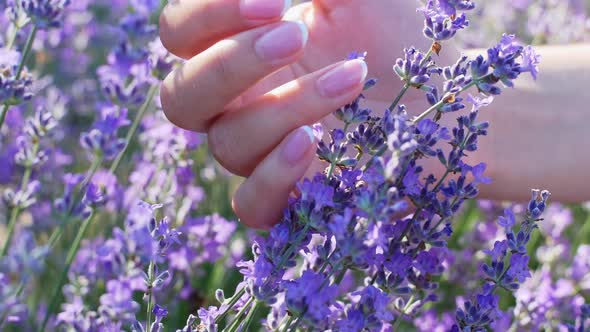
x=260, y=200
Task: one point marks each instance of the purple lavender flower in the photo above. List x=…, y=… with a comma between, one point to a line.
x=508, y=59
x=353, y=112
x=204, y=240
x=117, y=303
x=44, y=13
x=208, y=316
x=23, y=197
x=67, y=204
x=368, y=313
x=508, y=274
x=306, y=297
x=161, y=61
x=429, y=322
x=26, y=257
x=13, y=91
x=441, y=19
x=126, y=76
x=11, y=308
x=415, y=69
x=103, y=138
x=507, y=221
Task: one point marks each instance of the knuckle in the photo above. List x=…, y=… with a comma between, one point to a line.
x=166, y=32
x=246, y=205
x=219, y=145
x=169, y=107
x=225, y=151
x=222, y=68
x=166, y=97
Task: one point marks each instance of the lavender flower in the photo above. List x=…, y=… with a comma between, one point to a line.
x=441, y=19
x=307, y=297
x=44, y=13
x=415, y=69
x=508, y=274
x=103, y=138
x=13, y=90
x=11, y=308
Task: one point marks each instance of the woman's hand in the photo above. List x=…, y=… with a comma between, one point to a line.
x=259, y=73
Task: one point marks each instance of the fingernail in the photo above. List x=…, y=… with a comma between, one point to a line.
x=297, y=145
x=343, y=78
x=263, y=9
x=283, y=41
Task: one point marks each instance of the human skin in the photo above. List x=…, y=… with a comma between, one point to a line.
x=254, y=99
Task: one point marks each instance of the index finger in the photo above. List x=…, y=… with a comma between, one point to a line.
x=188, y=27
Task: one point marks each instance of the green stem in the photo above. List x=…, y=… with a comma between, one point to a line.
x=340, y=276
x=407, y=85
x=283, y=260
x=583, y=233
x=325, y=265
x=64, y=273
x=17, y=209
x=398, y=320
x=288, y=324
x=19, y=70
x=12, y=38
x=236, y=323
x=133, y=129
x=331, y=273
x=251, y=315
x=26, y=51
x=293, y=247
x=324, y=283
x=297, y=322
x=149, y=303
x=333, y=163
x=58, y=232
x=438, y=105
x=427, y=55
x=399, y=96
x=231, y=304
x=435, y=189
x=3, y=114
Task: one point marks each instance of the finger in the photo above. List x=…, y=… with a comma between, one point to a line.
x=240, y=139
x=202, y=87
x=259, y=201
x=188, y=27
x=328, y=6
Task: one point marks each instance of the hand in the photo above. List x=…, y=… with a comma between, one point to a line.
x=254, y=83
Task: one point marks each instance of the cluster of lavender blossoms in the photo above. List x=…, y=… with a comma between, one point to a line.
x=112, y=219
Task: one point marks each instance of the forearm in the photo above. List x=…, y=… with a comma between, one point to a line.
x=539, y=135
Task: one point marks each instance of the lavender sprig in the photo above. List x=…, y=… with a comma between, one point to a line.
x=16, y=80
x=508, y=268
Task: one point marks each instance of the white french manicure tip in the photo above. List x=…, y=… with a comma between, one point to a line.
x=304, y=31
x=365, y=69
x=286, y=6
x=309, y=132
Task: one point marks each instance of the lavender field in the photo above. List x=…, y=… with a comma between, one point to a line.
x=113, y=218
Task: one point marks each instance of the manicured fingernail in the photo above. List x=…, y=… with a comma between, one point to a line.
x=343, y=78
x=283, y=41
x=263, y=9
x=297, y=145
